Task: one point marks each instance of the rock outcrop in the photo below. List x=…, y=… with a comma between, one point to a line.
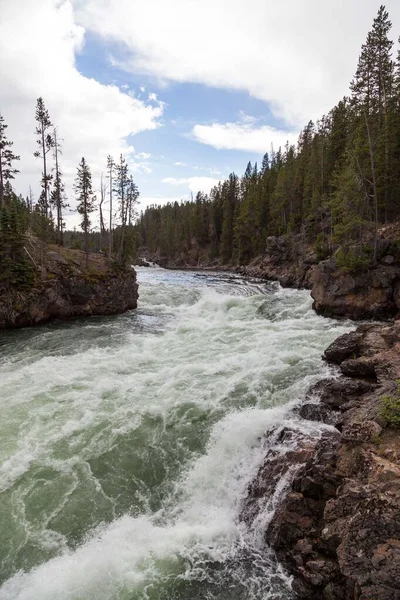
x=286, y=259
x=67, y=288
x=337, y=529
x=372, y=294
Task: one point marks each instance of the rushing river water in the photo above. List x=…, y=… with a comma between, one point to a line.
x=127, y=443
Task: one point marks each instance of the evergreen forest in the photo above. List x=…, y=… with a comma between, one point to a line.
x=335, y=187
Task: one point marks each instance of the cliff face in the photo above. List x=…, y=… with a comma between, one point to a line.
x=65, y=288
x=337, y=528
x=373, y=294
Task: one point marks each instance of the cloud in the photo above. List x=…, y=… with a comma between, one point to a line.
x=179, y=164
x=39, y=60
x=140, y=168
x=297, y=56
x=174, y=181
x=143, y=155
x=195, y=184
x=243, y=135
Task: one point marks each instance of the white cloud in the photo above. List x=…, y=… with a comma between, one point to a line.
x=143, y=155
x=179, y=164
x=298, y=56
x=140, y=168
x=195, y=184
x=38, y=44
x=242, y=135
x=174, y=181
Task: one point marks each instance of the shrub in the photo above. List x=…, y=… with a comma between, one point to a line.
x=321, y=247
x=390, y=407
x=353, y=261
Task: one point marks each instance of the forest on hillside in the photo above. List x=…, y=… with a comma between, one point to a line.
x=22, y=217
x=335, y=187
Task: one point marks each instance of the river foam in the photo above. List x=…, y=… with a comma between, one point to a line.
x=129, y=442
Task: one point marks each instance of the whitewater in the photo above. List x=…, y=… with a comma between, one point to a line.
x=128, y=443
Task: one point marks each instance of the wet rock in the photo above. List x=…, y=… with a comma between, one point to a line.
x=359, y=367
x=337, y=393
x=343, y=347
x=317, y=411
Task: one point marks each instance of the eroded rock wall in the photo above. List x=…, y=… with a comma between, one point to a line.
x=337, y=530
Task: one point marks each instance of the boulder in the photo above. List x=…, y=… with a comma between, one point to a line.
x=365, y=295
x=363, y=367
x=343, y=347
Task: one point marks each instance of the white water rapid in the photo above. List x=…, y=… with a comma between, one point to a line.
x=127, y=443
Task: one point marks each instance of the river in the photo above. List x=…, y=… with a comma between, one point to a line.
x=127, y=443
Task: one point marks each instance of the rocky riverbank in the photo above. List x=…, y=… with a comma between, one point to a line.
x=337, y=527
x=64, y=287
x=357, y=292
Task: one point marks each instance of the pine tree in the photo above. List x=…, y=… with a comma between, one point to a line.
x=371, y=88
x=45, y=142
x=86, y=201
x=7, y=171
x=230, y=195
x=58, y=197
x=121, y=183
x=16, y=269
x=110, y=168
x=103, y=189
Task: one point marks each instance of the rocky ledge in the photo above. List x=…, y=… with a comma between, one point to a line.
x=337, y=527
x=65, y=288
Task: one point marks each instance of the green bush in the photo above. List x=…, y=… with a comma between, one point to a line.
x=353, y=261
x=321, y=247
x=390, y=407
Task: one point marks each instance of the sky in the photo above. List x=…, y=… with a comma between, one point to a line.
x=187, y=90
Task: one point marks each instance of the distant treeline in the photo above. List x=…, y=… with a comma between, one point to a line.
x=341, y=180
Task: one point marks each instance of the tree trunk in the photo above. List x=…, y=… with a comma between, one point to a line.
x=85, y=218
x=371, y=154
x=110, y=241
x=102, y=226
x=58, y=196
x=1, y=184
x=45, y=175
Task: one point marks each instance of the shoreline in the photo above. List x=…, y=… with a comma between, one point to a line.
x=337, y=529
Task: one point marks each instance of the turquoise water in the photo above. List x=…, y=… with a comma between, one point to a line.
x=127, y=443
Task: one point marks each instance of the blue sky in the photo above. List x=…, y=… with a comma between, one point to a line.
x=174, y=152
x=187, y=90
